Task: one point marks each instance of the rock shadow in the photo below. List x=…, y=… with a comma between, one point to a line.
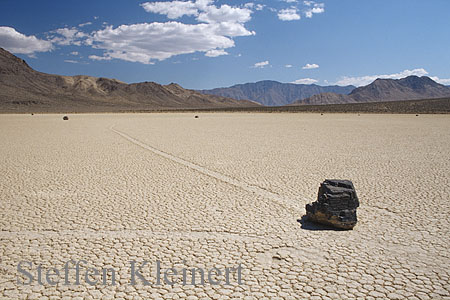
x=308, y=225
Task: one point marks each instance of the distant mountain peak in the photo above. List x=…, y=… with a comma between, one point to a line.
x=418, y=82
x=382, y=89
x=274, y=93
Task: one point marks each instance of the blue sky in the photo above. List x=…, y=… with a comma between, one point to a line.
x=206, y=44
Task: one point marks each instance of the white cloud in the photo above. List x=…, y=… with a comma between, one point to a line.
x=96, y=57
x=203, y=4
x=365, y=80
x=71, y=61
x=288, y=66
x=305, y=81
x=314, y=8
x=261, y=64
x=225, y=13
x=290, y=1
x=441, y=80
x=259, y=6
x=310, y=66
x=68, y=36
x=216, y=52
x=74, y=53
x=252, y=5
x=147, y=42
x=173, y=10
x=17, y=42
x=202, y=9
x=288, y=14
x=84, y=24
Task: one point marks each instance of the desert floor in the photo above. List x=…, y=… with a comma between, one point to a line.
x=219, y=191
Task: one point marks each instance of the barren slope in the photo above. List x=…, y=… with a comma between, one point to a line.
x=23, y=89
x=383, y=90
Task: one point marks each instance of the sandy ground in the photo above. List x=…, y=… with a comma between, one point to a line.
x=219, y=191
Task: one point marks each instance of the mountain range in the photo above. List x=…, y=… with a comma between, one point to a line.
x=273, y=93
x=408, y=88
x=23, y=89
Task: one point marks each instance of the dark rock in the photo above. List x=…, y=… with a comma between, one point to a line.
x=336, y=204
x=196, y=117
x=65, y=118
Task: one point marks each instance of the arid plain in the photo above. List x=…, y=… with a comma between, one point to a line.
x=222, y=190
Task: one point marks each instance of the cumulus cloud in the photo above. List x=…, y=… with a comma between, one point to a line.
x=225, y=13
x=68, y=36
x=202, y=9
x=147, y=42
x=305, y=81
x=441, y=80
x=173, y=10
x=310, y=66
x=293, y=12
x=215, y=53
x=259, y=6
x=261, y=64
x=288, y=66
x=365, y=80
x=313, y=8
x=252, y=5
x=17, y=42
x=288, y=14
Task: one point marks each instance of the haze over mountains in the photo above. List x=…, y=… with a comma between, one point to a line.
x=408, y=88
x=273, y=93
x=24, y=89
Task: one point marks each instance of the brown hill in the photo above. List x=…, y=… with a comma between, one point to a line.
x=382, y=90
x=23, y=89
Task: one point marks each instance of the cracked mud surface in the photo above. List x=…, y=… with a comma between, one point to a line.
x=223, y=190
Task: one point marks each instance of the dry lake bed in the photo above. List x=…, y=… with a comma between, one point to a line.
x=124, y=206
